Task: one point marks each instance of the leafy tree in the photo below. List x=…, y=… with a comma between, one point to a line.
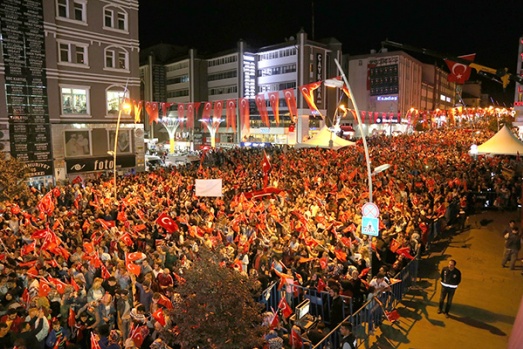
x=216, y=308
x=13, y=179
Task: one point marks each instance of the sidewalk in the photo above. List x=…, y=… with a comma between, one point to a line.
x=485, y=304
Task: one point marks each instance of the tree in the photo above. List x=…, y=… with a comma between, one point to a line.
x=216, y=307
x=13, y=179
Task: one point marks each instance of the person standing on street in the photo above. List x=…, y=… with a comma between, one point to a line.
x=349, y=340
x=512, y=247
x=450, y=279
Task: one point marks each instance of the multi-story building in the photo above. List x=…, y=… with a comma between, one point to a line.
x=244, y=73
x=66, y=68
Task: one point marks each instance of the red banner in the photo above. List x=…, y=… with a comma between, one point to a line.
x=245, y=119
x=230, y=114
x=274, y=100
x=291, y=103
x=308, y=93
x=262, y=108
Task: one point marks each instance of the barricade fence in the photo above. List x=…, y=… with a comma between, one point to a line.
x=364, y=320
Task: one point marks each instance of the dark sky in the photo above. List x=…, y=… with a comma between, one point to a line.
x=490, y=29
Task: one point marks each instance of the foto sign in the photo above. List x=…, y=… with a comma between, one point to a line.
x=370, y=226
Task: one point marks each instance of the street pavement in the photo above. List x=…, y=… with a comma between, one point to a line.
x=485, y=304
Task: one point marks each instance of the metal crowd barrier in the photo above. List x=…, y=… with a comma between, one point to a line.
x=364, y=320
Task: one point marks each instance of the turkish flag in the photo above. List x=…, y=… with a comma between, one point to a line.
x=308, y=93
x=94, y=342
x=135, y=256
x=131, y=267
x=138, y=335
x=71, y=319
x=206, y=114
x=266, y=164
x=152, y=110
x=127, y=240
x=159, y=316
x=165, y=108
x=59, y=284
x=230, y=114
x=394, y=245
x=285, y=308
x=262, y=108
x=218, y=109
x=290, y=99
x=167, y=223
x=274, y=100
x=46, y=205
x=26, y=249
x=405, y=252
x=75, y=285
x=192, y=109
x=245, y=117
x=165, y=302
x=324, y=262
x=181, y=112
x=43, y=289
x=459, y=72
x=105, y=273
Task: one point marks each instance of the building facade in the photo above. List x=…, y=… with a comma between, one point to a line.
x=67, y=67
x=244, y=72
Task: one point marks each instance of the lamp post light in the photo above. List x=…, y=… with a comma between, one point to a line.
x=171, y=124
x=125, y=106
x=370, y=173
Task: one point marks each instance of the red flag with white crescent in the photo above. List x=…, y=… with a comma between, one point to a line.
x=192, y=111
x=262, y=108
x=181, y=112
x=285, y=308
x=152, y=110
x=131, y=267
x=308, y=94
x=165, y=108
x=274, y=100
x=206, y=114
x=167, y=223
x=459, y=72
x=290, y=99
x=218, y=109
x=230, y=114
x=245, y=114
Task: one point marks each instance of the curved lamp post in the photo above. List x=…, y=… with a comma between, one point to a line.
x=125, y=106
x=370, y=173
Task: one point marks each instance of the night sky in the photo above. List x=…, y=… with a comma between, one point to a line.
x=490, y=29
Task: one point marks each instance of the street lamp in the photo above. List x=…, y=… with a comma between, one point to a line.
x=370, y=173
x=125, y=106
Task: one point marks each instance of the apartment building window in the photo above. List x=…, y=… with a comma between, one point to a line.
x=72, y=53
x=63, y=9
x=115, y=18
x=79, y=10
x=116, y=58
x=114, y=97
x=223, y=90
x=177, y=93
x=178, y=80
x=75, y=100
x=222, y=60
x=222, y=75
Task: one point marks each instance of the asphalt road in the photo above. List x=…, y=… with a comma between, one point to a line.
x=485, y=304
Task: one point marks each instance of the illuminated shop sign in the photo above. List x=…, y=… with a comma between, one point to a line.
x=387, y=98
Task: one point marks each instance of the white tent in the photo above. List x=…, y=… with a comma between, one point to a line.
x=502, y=143
x=322, y=140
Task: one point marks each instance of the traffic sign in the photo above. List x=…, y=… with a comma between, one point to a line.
x=370, y=226
x=370, y=210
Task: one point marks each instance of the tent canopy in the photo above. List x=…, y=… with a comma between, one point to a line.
x=322, y=140
x=502, y=143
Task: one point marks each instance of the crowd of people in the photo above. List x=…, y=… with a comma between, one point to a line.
x=79, y=268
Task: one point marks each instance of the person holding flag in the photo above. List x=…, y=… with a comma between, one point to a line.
x=266, y=169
